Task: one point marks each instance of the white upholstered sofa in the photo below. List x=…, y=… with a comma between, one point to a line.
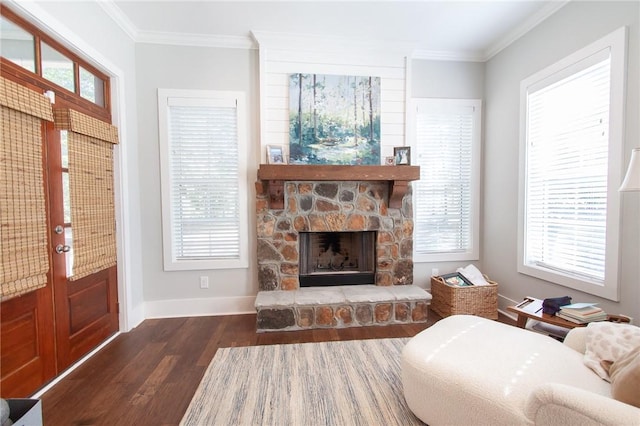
x=467, y=370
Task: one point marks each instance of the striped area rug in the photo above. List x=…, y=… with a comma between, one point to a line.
x=331, y=383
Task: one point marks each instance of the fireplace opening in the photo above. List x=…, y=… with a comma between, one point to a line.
x=337, y=258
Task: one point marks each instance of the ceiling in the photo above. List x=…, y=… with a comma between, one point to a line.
x=465, y=30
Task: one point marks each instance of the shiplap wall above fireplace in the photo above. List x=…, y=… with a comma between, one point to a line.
x=284, y=54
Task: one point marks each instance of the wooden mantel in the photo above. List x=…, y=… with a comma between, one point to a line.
x=397, y=176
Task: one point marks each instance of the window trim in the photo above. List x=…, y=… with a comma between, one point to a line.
x=170, y=263
x=476, y=153
x=617, y=43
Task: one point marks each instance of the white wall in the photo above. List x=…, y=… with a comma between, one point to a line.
x=447, y=79
x=103, y=43
x=181, y=67
x=453, y=80
x=282, y=56
x=569, y=29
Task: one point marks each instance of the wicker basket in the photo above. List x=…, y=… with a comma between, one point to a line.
x=474, y=300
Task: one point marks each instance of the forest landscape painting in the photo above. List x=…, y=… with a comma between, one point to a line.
x=334, y=119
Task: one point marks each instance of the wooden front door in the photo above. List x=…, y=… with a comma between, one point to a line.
x=85, y=309
x=45, y=331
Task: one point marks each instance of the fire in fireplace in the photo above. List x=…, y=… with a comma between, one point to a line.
x=337, y=258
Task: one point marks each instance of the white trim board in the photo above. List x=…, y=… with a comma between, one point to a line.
x=200, y=40
x=200, y=307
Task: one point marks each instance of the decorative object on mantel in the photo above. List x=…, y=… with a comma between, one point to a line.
x=402, y=155
x=390, y=160
x=631, y=181
x=277, y=174
x=275, y=154
x=334, y=119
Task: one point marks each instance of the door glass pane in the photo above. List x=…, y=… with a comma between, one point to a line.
x=91, y=87
x=66, y=200
x=57, y=68
x=64, y=148
x=17, y=45
x=66, y=192
x=66, y=197
x=68, y=240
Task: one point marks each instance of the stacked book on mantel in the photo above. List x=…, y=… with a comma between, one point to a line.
x=582, y=313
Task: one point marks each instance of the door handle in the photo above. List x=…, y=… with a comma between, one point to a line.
x=62, y=248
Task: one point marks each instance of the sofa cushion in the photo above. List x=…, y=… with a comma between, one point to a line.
x=606, y=343
x=625, y=378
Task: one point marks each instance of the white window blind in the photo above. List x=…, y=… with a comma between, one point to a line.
x=566, y=184
x=571, y=138
x=203, y=184
x=446, y=196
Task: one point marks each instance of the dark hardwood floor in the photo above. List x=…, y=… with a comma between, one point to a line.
x=149, y=375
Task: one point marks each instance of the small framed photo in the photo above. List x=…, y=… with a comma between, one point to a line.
x=275, y=154
x=390, y=160
x=402, y=155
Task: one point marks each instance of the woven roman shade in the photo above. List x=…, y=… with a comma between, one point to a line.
x=91, y=186
x=23, y=223
x=77, y=122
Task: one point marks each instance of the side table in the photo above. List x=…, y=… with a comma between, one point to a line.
x=531, y=307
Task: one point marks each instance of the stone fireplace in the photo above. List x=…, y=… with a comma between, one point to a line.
x=315, y=233
x=337, y=207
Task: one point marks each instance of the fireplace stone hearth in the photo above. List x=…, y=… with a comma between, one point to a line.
x=342, y=306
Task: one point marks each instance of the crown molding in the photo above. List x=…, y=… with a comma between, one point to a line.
x=200, y=40
x=276, y=40
x=179, y=39
x=524, y=28
x=118, y=16
x=444, y=55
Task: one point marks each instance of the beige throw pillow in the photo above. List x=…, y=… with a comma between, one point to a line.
x=625, y=378
x=608, y=341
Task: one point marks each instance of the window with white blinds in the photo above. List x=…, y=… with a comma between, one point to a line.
x=204, y=191
x=566, y=195
x=447, y=195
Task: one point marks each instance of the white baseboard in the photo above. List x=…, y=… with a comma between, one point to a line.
x=200, y=307
x=503, y=303
x=135, y=317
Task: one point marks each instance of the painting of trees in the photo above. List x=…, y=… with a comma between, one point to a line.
x=334, y=119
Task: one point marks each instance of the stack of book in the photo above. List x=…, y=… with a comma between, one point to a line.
x=582, y=313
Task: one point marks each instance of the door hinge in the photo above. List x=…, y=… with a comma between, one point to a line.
x=117, y=307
